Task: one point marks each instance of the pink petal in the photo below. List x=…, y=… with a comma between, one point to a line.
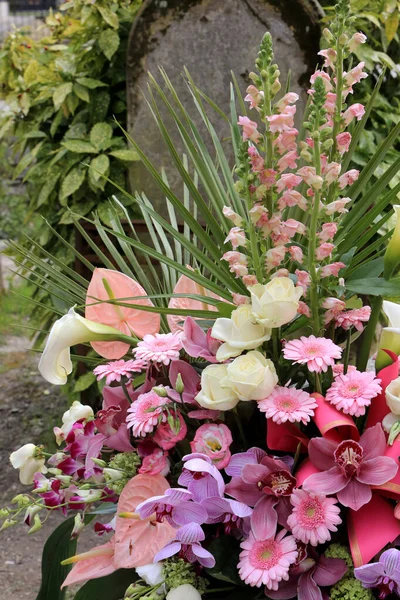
x=264, y=519
x=122, y=318
x=321, y=453
x=329, y=571
x=373, y=442
x=92, y=568
x=307, y=588
x=254, y=473
x=326, y=482
x=355, y=494
x=188, y=286
x=377, y=470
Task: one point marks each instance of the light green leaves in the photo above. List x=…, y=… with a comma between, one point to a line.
x=61, y=93
x=82, y=92
x=72, y=182
x=79, y=146
x=100, y=136
x=126, y=154
x=109, y=16
x=99, y=169
x=90, y=83
x=109, y=42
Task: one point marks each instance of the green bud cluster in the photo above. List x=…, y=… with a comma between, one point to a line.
x=177, y=571
x=350, y=588
x=340, y=551
x=128, y=463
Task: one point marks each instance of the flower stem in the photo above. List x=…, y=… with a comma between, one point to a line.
x=369, y=334
x=347, y=353
x=240, y=427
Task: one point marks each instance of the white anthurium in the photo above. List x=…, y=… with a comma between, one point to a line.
x=275, y=303
x=55, y=363
x=184, y=592
x=239, y=333
x=28, y=460
x=390, y=337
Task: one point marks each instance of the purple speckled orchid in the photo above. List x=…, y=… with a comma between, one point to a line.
x=201, y=477
x=176, y=506
x=235, y=516
x=190, y=379
x=187, y=545
x=83, y=444
x=349, y=469
x=307, y=577
x=197, y=343
x=384, y=574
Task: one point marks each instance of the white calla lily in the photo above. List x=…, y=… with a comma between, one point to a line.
x=390, y=337
x=55, y=363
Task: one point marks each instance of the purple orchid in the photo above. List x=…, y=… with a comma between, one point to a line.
x=110, y=420
x=190, y=379
x=83, y=444
x=309, y=574
x=232, y=514
x=187, y=545
x=384, y=574
x=197, y=343
x=201, y=477
x=349, y=469
x=176, y=506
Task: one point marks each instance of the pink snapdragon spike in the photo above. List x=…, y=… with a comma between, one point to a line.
x=127, y=320
x=350, y=468
x=187, y=286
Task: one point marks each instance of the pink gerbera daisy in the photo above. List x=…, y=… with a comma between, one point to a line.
x=288, y=404
x=145, y=413
x=317, y=353
x=353, y=392
x=113, y=371
x=267, y=562
x=159, y=348
x=353, y=318
x=314, y=516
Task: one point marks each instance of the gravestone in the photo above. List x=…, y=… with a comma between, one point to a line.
x=210, y=38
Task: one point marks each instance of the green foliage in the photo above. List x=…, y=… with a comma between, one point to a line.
x=111, y=587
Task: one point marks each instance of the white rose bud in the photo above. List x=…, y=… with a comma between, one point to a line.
x=239, y=333
x=252, y=376
x=184, y=592
x=276, y=303
x=77, y=412
x=215, y=393
x=26, y=460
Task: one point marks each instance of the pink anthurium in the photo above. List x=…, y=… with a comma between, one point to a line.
x=108, y=284
x=136, y=541
x=187, y=286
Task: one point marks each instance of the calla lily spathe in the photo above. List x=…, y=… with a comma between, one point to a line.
x=390, y=337
x=55, y=363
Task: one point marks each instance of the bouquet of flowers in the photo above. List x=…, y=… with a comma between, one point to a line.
x=238, y=451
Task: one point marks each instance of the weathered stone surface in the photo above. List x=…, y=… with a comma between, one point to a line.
x=210, y=38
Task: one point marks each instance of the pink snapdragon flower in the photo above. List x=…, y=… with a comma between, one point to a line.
x=249, y=129
x=159, y=348
x=353, y=392
x=146, y=413
x=309, y=176
x=288, y=181
x=356, y=39
x=331, y=172
x=296, y=253
x=286, y=140
x=317, y=353
x=330, y=57
x=331, y=270
x=237, y=262
x=338, y=206
x=348, y=469
x=113, y=371
x=314, y=517
x=303, y=279
x=236, y=237
x=288, y=404
x=324, y=250
x=249, y=280
x=230, y=214
x=254, y=96
x=325, y=78
x=355, y=111
x=328, y=232
x=281, y=122
x=213, y=440
x=288, y=161
x=334, y=307
x=343, y=141
x=355, y=75
x=353, y=318
x=267, y=178
x=292, y=198
x=289, y=98
x=274, y=257
x=304, y=309
x=257, y=161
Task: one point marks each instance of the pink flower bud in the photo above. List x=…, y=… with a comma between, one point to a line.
x=355, y=111
x=343, y=142
x=236, y=237
x=328, y=232
x=324, y=250
x=348, y=178
x=331, y=270
x=249, y=129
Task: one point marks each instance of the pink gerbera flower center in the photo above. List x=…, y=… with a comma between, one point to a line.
x=310, y=513
x=265, y=554
x=349, y=455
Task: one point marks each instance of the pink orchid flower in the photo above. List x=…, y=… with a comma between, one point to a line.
x=107, y=284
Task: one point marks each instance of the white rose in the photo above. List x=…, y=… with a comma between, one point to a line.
x=239, y=333
x=77, y=412
x=252, y=376
x=276, y=303
x=184, y=592
x=55, y=363
x=26, y=460
x=215, y=393
x=152, y=573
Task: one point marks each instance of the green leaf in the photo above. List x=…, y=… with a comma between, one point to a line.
x=99, y=104
x=90, y=83
x=79, y=146
x=47, y=188
x=82, y=92
x=58, y=547
x=100, y=135
x=72, y=182
x=392, y=25
x=56, y=122
x=99, y=169
x=111, y=587
x=84, y=382
x=373, y=268
x=109, y=42
x=60, y=94
x=109, y=16
x=375, y=286
x=125, y=154
x=226, y=562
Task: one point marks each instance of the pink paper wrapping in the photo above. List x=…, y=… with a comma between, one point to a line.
x=285, y=437
x=379, y=409
x=370, y=528
x=392, y=487
x=333, y=425
x=305, y=470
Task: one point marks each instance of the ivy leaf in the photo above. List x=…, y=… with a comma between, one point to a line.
x=84, y=382
x=72, y=182
x=109, y=42
x=90, y=83
x=109, y=16
x=126, y=154
x=100, y=135
x=60, y=94
x=82, y=92
x=79, y=146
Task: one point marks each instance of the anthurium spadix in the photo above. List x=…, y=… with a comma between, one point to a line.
x=390, y=337
x=392, y=255
x=55, y=363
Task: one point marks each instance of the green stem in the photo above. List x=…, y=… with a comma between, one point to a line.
x=240, y=427
x=369, y=334
x=347, y=353
x=125, y=390
x=312, y=245
x=318, y=387
x=253, y=240
x=268, y=144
